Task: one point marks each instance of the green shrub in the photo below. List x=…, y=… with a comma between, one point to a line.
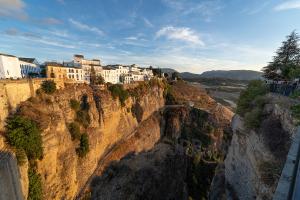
x=49, y=86
x=74, y=104
x=23, y=133
x=295, y=94
x=35, y=185
x=253, y=118
x=83, y=118
x=74, y=130
x=21, y=156
x=296, y=112
x=254, y=89
x=84, y=148
x=117, y=91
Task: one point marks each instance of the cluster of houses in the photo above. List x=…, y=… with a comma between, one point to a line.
x=78, y=70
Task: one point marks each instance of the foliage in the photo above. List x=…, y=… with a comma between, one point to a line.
x=295, y=94
x=74, y=104
x=287, y=59
x=169, y=95
x=92, y=75
x=21, y=156
x=254, y=89
x=117, y=91
x=83, y=117
x=74, y=130
x=99, y=80
x=253, y=118
x=48, y=86
x=296, y=111
x=23, y=133
x=84, y=145
x=35, y=185
x=175, y=76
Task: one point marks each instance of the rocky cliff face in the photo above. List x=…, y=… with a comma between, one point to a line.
x=256, y=157
x=63, y=172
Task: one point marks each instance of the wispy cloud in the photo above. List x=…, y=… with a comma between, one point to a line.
x=85, y=27
x=180, y=33
x=148, y=23
x=13, y=8
x=288, y=5
x=50, y=21
x=61, y=2
x=207, y=9
x=258, y=8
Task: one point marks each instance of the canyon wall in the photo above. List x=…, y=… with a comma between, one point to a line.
x=256, y=157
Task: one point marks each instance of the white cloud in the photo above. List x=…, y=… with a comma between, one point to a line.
x=180, y=33
x=86, y=27
x=288, y=5
x=13, y=8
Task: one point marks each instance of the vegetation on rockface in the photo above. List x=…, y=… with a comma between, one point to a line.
x=82, y=115
x=169, y=95
x=296, y=112
x=83, y=148
x=24, y=134
x=21, y=156
x=269, y=172
x=117, y=91
x=48, y=86
x=35, y=184
x=74, y=104
x=254, y=89
x=287, y=60
x=74, y=130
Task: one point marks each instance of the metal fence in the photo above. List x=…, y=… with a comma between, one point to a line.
x=283, y=89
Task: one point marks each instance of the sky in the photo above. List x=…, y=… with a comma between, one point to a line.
x=187, y=35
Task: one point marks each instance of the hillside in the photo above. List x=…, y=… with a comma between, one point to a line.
x=231, y=74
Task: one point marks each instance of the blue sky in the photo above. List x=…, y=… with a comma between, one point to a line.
x=188, y=35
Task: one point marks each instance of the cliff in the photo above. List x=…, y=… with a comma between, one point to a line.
x=256, y=156
x=62, y=171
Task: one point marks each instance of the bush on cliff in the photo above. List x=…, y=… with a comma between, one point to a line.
x=83, y=118
x=253, y=118
x=48, y=86
x=74, y=104
x=117, y=91
x=23, y=133
x=35, y=185
x=83, y=148
x=255, y=88
x=74, y=130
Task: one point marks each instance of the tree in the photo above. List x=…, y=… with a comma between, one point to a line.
x=175, y=76
x=99, y=80
x=287, y=57
x=93, y=75
x=48, y=86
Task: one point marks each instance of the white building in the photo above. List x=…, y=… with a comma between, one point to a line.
x=87, y=66
x=74, y=73
x=29, y=66
x=9, y=67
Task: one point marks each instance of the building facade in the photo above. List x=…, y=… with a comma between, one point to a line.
x=29, y=67
x=75, y=74
x=56, y=70
x=87, y=66
x=9, y=67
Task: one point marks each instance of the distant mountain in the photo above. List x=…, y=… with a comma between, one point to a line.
x=168, y=70
x=230, y=74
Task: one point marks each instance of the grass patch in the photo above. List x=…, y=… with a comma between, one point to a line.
x=74, y=104
x=35, y=185
x=74, y=130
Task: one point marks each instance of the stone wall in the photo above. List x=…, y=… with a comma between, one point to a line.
x=13, y=92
